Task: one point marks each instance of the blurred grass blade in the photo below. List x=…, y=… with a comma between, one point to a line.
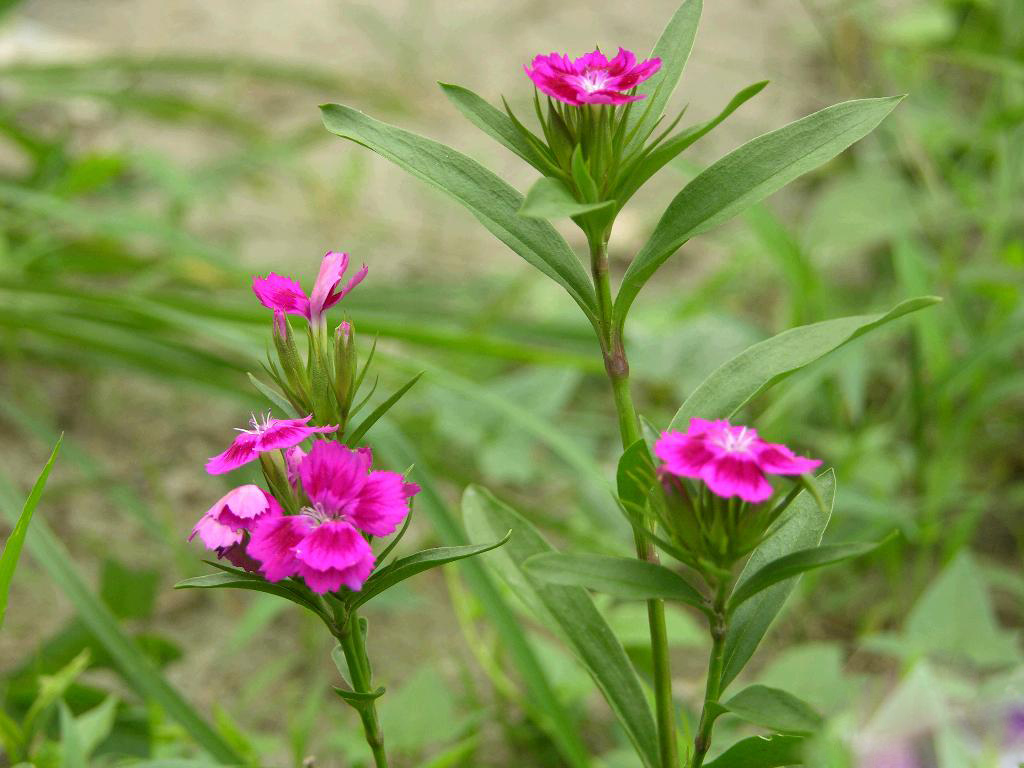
x=570, y=612
x=12, y=549
x=802, y=526
x=745, y=176
x=673, y=48
x=50, y=553
x=540, y=701
x=493, y=202
x=762, y=366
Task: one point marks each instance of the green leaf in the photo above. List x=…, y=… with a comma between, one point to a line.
x=241, y=580
x=72, y=753
x=649, y=164
x=493, y=202
x=568, y=610
x=761, y=752
x=540, y=699
x=365, y=425
x=745, y=176
x=635, y=474
x=274, y=397
x=778, y=710
x=12, y=549
x=405, y=567
x=762, y=366
x=673, y=48
x=548, y=198
x=801, y=526
x=796, y=563
x=95, y=725
x=622, y=577
x=495, y=124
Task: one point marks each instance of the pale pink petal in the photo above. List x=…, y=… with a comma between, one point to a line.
x=292, y=459
x=332, y=268
x=736, y=476
x=281, y=294
x=355, y=280
x=382, y=504
x=214, y=534
x=273, y=544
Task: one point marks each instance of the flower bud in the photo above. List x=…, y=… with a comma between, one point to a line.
x=345, y=364
x=290, y=361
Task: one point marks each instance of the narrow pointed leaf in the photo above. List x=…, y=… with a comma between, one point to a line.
x=762, y=752
x=570, y=612
x=493, y=202
x=658, y=158
x=622, y=577
x=796, y=563
x=12, y=548
x=365, y=425
x=495, y=124
x=673, y=48
x=802, y=526
x=747, y=175
x=406, y=567
x=224, y=580
x=549, y=199
x=762, y=366
x=774, y=709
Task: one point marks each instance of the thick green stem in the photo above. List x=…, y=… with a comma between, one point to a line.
x=713, y=690
x=354, y=647
x=617, y=367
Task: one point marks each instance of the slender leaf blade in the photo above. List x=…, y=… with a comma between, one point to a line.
x=747, y=175
x=622, y=577
x=407, y=567
x=775, y=709
x=760, y=367
x=549, y=199
x=802, y=526
x=230, y=580
x=762, y=752
x=380, y=410
x=12, y=549
x=493, y=202
x=568, y=610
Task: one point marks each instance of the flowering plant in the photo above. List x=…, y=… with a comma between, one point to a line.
x=308, y=536
x=708, y=505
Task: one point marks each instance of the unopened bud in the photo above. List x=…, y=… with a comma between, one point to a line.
x=345, y=364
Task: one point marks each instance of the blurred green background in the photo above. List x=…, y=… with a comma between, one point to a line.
x=154, y=156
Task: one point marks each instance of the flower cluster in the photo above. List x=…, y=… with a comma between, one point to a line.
x=592, y=78
x=726, y=513
x=325, y=505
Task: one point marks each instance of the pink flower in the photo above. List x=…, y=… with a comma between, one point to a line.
x=268, y=435
x=732, y=461
x=282, y=294
x=591, y=79
x=325, y=542
x=234, y=513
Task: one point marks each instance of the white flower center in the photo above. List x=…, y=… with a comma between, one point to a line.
x=593, y=80
x=734, y=442
x=259, y=424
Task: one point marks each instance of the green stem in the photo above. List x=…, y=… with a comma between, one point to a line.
x=617, y=366
x=711, y=711
x=353, y=645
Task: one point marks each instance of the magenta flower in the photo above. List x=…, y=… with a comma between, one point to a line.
x=268, y=435
x=234, y=513
x=325, y=542
x=282, y=294
x=732, y=461
x=591, y=78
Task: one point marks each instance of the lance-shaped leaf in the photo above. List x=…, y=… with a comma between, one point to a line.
x=405, y=567
x=747, y=175
x=673, y=48
x=775, y=709
x=796, y=563
x=242, y=580
x=12, y=547
x=762, y=366
x=649, y=163
x=762, y=752
x=570, y=612
x=549, y=199
x=364, y=426
x=499, y=126
x=623, y=577
x=493, y=202
x=802, y=526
